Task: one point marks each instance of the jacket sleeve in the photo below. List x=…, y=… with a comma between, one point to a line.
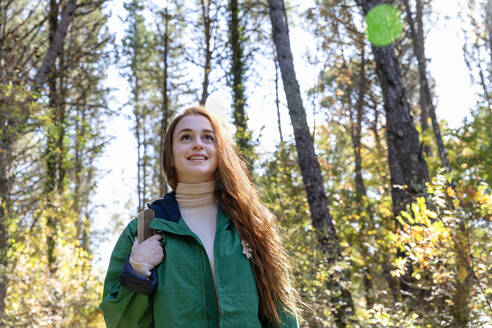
x=288, y=320
x=122, y=303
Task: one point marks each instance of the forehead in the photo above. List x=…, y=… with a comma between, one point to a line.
x=193, y=122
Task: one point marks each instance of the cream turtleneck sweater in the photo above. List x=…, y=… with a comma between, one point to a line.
x=198, y=208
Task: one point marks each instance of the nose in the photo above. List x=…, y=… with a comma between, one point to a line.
x=197, y=145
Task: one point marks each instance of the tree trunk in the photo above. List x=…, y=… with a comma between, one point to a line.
x=165, y=102
x=56, y=45
x=463, y=283
x=408, y=168
x=424, y=114
x=10, y=135
x=310, y=169
x=55, y=134
x=236, y=30
x=145, y=157
x=5, y=210
x=360, y=188
x=426, y=104
x=356, y=129
x=138, y=124
x=277, y=103
x=488, y=24
x=208, y=49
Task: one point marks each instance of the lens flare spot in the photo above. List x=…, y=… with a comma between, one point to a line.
x=384, y=24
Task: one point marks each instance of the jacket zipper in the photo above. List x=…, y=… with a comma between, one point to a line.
x=203, y=284
x=203, y=275
x=217, y=280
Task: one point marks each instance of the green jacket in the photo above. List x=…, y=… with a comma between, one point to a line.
x=181, y=289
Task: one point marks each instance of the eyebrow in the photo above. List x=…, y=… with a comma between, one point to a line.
x=190, y=130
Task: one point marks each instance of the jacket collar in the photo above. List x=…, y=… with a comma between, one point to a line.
x=166, y=208
x=168, y=217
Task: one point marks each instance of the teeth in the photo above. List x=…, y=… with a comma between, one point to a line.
x=195, y=158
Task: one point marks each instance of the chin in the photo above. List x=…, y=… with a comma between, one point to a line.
x=201, y=175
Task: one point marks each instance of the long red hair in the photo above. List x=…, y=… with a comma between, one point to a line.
x=256, y=225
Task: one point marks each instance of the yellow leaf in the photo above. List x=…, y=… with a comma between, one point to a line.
x=462, y=274
x=450, y=192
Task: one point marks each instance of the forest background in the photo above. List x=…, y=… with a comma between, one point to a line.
x=385, y=209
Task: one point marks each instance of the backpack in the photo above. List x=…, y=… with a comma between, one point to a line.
x=143, y=227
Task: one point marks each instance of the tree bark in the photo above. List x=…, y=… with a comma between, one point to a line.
x=277, y=103
x=310, y=169
x=5, y=208
x=426, y=104
x=356, y=129
x=208, y=49
x=360, y=187
x=165, y=101
x=236, y=35
x=56, y=45
x=138, y=124
x=463, y=279
x=6, y=180
x=55, y=152
x=408, y=168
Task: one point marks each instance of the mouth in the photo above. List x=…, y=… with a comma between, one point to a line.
x=197, y=158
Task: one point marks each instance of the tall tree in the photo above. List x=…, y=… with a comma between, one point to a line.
x=56, y=151
x=408, y=167
x=477, y=48
x=14, y=71
x=137, y=54
x=311, y=173
x=165, y=90
x=166, y=82
x=33, y=32
x=87, y=107
x=208, y=20
x=57, y=38
x=237, y=38
x=426, y=105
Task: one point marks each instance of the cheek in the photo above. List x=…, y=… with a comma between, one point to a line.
x=176, y=155
x=215, y=158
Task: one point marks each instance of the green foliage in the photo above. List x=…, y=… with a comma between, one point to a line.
x=444, y=242
x=68, y=297
x=449, y=266
x=471, y=146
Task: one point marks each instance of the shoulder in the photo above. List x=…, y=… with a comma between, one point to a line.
x=128, y=234
x=132, y=226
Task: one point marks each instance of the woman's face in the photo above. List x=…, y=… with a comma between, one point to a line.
x=194, y=151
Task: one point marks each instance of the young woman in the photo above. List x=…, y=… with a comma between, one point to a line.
x=217, y=259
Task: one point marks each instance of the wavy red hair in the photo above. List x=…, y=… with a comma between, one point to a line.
x=256, y=225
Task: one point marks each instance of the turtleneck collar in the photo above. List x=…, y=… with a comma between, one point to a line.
x=191, y=195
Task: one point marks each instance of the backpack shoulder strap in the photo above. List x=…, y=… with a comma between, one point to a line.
x=143, y=229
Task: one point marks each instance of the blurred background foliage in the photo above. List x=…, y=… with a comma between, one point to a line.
x=425, y=266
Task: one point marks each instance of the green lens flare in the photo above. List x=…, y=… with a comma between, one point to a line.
x=384, y=24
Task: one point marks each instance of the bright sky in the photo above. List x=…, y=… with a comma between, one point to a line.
x=116, y=190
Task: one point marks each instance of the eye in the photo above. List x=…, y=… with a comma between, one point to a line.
x=185, y=137
x=209, y=137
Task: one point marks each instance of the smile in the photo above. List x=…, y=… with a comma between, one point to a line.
x=197, y=158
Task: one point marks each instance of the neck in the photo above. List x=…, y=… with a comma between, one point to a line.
x=189, y=195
